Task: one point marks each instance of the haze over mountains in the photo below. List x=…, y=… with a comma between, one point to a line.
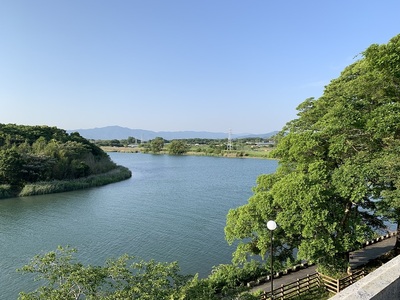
x=119, y=133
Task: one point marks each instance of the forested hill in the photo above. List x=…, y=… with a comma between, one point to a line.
x=33, y=154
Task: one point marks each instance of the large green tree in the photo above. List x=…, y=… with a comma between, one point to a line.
x=338, y=169
x=157, y=145
x=385, y=126
x=178, y=147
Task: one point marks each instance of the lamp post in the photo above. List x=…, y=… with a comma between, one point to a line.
x=271, y=225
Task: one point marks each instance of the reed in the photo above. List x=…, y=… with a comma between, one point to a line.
x=57, y=186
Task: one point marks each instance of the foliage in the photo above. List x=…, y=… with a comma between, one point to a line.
x=338, y=169
x=157, y=145
x=177, y=147
x=33, y=154
x=5, y=191
x=61, y=276
x=229, y=279
x=11, y=167
x=319, y=293
x=115, y=143
x=243, y=147
x=123, y=278
x=39, y=188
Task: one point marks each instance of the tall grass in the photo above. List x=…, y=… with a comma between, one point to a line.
x=57, y=186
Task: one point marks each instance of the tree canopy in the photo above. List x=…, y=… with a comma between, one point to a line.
x=178, y=147
x=126, y=277
x=337, y=178
x=61, y=276
x=157, y=144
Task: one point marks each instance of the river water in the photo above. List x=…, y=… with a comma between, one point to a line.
x=172, y=209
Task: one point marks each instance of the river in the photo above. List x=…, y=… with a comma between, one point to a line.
x=172, y=209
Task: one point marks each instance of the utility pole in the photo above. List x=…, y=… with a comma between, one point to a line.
x=229, y=145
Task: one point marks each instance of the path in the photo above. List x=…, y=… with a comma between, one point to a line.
x=357, y=258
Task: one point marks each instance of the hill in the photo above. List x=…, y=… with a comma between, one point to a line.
x=119, y=133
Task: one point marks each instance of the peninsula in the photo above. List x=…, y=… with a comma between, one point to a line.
x=42, y=160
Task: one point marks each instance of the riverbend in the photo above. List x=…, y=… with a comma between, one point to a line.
x=173, y=208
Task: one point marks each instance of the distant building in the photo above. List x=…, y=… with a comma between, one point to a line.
x=265, y=144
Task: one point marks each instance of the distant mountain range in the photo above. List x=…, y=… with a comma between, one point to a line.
x=119, y=133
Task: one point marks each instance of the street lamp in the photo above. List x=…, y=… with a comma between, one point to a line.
x=271, y=225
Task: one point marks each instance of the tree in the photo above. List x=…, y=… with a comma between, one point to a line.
x=177, y=147
x=385, y=59
x=337, y=167
x=123, y=278
x=36, y=167
x=130, y=140
x=115, y=143
x=11, y=163
x=61, y=276
x=157, y=144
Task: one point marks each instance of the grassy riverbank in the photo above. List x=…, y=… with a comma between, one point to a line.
x=262, y=153
x=118, y=174
x=57, y=186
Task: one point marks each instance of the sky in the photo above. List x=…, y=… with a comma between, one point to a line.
x=178, y=65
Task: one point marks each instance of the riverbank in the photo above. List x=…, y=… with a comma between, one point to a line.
x=264, y=154
x=57, y=186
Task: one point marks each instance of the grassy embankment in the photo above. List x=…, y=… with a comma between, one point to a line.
x=57, y=186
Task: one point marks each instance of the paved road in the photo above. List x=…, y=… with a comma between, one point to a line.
x=357, y=258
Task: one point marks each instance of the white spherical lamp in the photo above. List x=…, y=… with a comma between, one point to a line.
x=271, y=225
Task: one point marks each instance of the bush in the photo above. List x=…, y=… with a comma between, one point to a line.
x=227, y=278
x=5, y=191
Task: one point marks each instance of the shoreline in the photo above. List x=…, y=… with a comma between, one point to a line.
x=232, y=154
x=120, y=173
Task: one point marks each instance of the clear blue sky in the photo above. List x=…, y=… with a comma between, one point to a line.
x=171, y=65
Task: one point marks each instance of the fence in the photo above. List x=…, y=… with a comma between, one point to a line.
x=312, y=282
x=295, y=288
x=336, y=285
